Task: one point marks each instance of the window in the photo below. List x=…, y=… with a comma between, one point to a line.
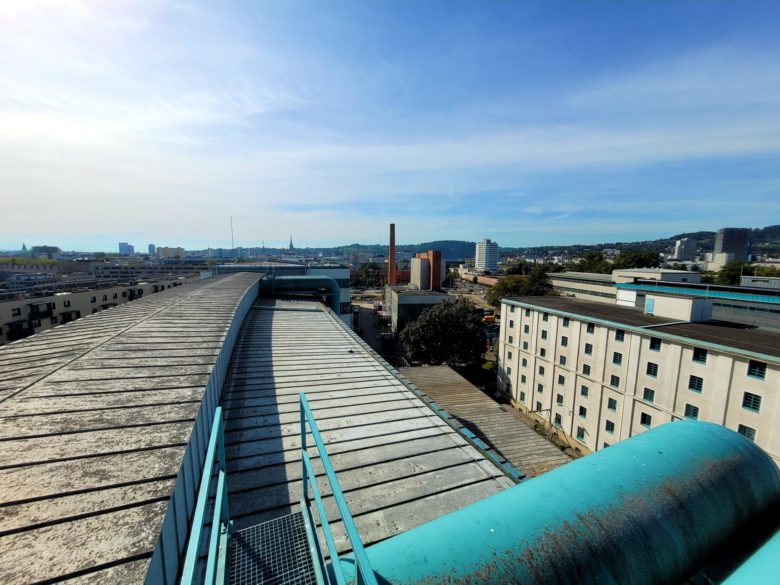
x=510, y=339
x=695, y=383
x=528, y=312
x=522, y=396
x=538, y=406
x=525, y=345
x=614, y=381
x=648, y=395
x=16, y=312
x=747, y=432
x=756, y=369
x=511, y=308
x=541, y=370
x=525, y=363
x=526, y=329
x=511, y=324
x=542, y=352
x=588, y=349
x=114, y=296
x=652, y=369
x=522, y=378
x=580, y=434
x=544, y=334
x=586, y=369
x=751, y=402
x=565, y=321
x=584, y=391
x=540, y=388
x=509, y=355
x=105, y=297
x=612, y=404
x=561, y=380
x=605, y=445
x=66, y=303
x=559, y=398
x=124, y=293
x=583, y=412
x=610, y=427
x=53, y=320
x=509, y=371
x=36, y=323
x=691, y=411
x=591, y=328
x=655, y=344
x=645, y=420
x=545, y=317
x=617, y=358
x=557, y=420
x=700, y=355
x=93, y=300
x=562, y=360
x=620, y=335
x=564, y=341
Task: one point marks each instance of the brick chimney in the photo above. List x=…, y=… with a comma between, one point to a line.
x=391, y=268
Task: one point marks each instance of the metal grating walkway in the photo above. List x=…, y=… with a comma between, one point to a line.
x=272, y=553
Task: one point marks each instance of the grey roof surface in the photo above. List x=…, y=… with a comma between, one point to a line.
x=498, y=425
x=731, y=335
x=601, y=278
x=94, y=418
x=398, y=463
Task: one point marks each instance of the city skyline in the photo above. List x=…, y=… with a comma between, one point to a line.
x=542, y=124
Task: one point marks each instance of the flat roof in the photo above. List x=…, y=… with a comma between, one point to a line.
x=421, y=293
x=95, y=416
x=606, y=278
x=720, y=335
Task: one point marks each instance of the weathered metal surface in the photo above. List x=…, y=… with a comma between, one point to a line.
x=648, y=510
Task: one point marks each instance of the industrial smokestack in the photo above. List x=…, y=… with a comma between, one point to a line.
x=391, y=274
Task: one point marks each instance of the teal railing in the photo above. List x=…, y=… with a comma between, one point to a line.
x=216, y=563
x=364, y=573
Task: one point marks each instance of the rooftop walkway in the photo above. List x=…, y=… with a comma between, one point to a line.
x=498, y=426
x=94, y=419
x=399, y=463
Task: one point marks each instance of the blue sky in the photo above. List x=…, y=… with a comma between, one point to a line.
x=528, y=122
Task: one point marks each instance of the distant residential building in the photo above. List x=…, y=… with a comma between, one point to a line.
x=23, y=317
x=166, y=252
x=733, y=241
x=486, y=256
x=599, y=377
x=685, y=250
x=428, y=270
x=125, y=248
x=48, y=252
x=152, y=250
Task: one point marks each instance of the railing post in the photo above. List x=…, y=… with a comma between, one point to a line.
x=305, y=474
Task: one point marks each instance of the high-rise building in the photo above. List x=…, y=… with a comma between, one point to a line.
x=486, y=257
x=125, y=248
x=734, y=241
x=152, y=250
x=685, y=249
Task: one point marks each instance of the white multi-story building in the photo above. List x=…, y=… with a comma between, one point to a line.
x=486, y=256
x=597, y=374
x=685, y=249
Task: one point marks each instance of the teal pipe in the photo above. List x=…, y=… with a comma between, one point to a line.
x=647, y=510
x=763, y=566
x=313, y=284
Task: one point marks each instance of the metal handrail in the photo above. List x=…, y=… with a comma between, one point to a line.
x=216, y=562
x=364, y=572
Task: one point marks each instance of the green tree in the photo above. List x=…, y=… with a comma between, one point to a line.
x=731, y=272
x=450, y=332
x=637, y=259
x=593, y=262
x=536, y=284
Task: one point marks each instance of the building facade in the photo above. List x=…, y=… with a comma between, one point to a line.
x=428, y=270
x=597, y=376
x=732, y=241
x=125, y=248
x=486, y=256
x=685, y=250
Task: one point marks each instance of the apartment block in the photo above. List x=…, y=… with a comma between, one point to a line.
x=598, y=374
x=486, y=256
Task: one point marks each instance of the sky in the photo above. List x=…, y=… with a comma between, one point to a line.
x=531, y=123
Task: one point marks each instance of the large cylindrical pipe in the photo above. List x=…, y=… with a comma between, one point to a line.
x=648, y=510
